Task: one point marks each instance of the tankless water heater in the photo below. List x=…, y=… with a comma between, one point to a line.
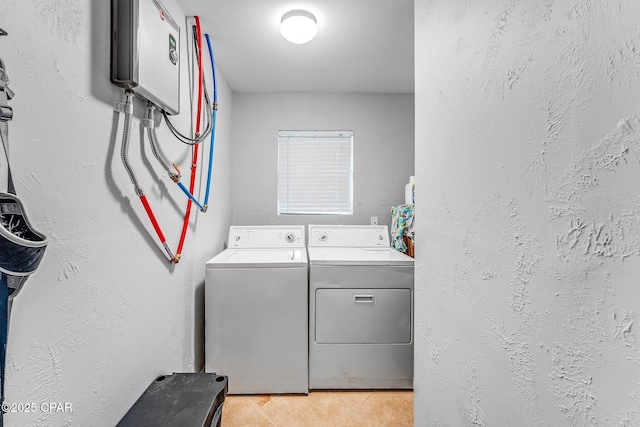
x=145, y=51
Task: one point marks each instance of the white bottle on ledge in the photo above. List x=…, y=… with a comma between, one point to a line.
x=409, y=192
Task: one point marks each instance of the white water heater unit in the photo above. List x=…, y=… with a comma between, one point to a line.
x=145, y=51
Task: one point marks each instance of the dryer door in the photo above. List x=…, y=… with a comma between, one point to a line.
x=363, y=316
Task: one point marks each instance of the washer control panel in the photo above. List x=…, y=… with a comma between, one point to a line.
x=361, y=236
x=266, y=236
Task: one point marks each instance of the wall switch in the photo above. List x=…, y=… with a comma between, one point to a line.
x=374, y=220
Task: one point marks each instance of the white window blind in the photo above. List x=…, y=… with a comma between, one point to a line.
x=315, y=172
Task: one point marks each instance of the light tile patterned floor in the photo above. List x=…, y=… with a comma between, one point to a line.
x=368, y=408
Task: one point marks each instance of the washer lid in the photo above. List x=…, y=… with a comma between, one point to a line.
x=259, y=258
x=357, y=256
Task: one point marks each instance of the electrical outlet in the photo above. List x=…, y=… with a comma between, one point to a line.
x=374, y=220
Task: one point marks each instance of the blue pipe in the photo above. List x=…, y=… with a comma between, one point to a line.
x=213, y=129
x=189, y=195
x=213, y=69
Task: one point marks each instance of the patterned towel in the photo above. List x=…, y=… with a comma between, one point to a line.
x=401, y=225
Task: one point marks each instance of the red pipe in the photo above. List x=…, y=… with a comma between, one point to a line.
x=194, y=163
x=199, y=34
x=156, y=226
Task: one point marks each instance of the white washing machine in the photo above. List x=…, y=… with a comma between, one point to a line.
x=360, y=309
x=256, y=311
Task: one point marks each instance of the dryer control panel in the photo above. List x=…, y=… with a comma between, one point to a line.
x=358, y=236
x=266, y=236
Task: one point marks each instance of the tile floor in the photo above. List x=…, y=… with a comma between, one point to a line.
x=380, y=408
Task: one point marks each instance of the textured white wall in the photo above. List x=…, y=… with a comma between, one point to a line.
x=383, y=126
x=106, y=312
x=528, y=253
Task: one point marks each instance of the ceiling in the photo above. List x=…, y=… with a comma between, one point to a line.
x=361, y=46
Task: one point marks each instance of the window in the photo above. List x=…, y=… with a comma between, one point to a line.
x=315, y=172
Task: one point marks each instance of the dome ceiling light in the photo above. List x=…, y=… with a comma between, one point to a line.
x=298, y=26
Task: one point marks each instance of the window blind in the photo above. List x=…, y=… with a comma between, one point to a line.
x=315, y=172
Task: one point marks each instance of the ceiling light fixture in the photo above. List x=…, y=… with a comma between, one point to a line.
x=298, y=26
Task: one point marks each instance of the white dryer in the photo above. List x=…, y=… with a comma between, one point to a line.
x=256, y=311
x=360, y=309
